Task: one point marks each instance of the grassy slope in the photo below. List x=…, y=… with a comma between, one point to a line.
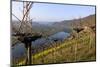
x=77, y=49
x=82, y=49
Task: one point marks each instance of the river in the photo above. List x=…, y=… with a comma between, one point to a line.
x=19, y=49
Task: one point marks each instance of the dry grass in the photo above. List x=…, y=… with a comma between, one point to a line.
x=81, y=48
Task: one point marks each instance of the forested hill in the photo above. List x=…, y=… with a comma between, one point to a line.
x=86, y=21
x=61, y=25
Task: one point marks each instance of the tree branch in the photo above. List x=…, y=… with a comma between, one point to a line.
x=16, y=17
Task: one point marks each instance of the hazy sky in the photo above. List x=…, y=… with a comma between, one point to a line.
x=53, y=12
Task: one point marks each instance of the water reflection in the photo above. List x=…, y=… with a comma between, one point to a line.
x=19, y=49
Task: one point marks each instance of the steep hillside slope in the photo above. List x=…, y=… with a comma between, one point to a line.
x=81, y=48
x=89, y=21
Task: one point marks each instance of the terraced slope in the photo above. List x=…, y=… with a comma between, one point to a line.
x=81, y=48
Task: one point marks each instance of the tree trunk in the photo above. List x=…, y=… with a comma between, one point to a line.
x=28, y=58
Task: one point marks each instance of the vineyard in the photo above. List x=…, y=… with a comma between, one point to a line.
x=38, y=40
x=71, y=50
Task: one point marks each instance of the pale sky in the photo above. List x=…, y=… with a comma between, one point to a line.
x=46, y=12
